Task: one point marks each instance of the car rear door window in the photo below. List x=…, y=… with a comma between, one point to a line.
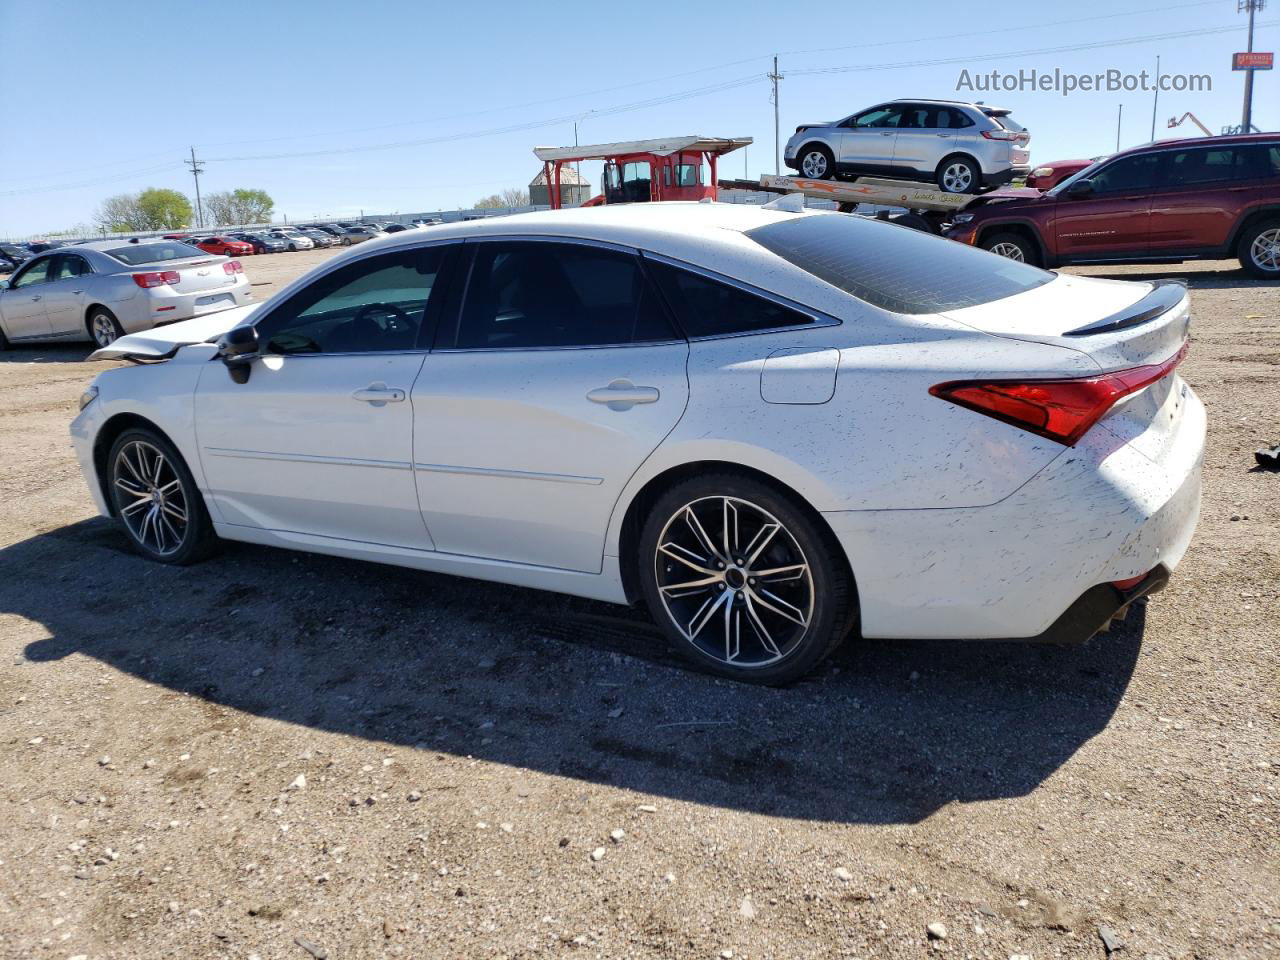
x=1257, y=161
x=537, y=294
x=376, y=304
x=70, y=265
x=1127, y=175
x=709, y=308
x=1198, y=167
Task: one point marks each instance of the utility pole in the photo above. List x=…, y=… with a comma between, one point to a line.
x=1156, y=102
x=1119, y=117
x=777, y=153
x=196, y=170
x=1246, y=119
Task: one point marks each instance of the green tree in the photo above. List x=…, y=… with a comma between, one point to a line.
x=486, y=203
x=121, y=213
x=164, y=209
x=251, y=205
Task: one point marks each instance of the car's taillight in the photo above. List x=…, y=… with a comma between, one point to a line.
x=145, y=280
x=1060, y=410
x=233, y=266
x=999, y=134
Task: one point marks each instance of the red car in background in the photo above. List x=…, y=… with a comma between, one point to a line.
x=227, y=246
x=1052, y=174
x=1204, y=199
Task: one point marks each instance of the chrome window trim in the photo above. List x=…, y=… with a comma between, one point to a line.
x=821, y=320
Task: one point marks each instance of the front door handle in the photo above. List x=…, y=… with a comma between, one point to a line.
x=623, y=395
x=35, y=298
x=888, y=133
x=378, y=394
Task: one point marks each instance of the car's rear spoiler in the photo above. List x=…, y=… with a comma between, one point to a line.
x=1164, y=296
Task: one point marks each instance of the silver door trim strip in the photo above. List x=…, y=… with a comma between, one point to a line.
x=508, y=474
x=307, y=458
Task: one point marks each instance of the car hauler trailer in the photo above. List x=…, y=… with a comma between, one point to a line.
x=927, y=209
x=637, y=171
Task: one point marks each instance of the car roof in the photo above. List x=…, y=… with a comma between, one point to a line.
x=1200, y=142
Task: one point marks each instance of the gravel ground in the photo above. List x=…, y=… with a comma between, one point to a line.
x=281, y=755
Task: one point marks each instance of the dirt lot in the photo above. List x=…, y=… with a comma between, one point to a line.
x=281, y=755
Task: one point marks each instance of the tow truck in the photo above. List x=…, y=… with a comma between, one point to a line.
x=637, y=171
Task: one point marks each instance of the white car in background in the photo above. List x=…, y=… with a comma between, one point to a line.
x=102, y=290
x=771, y=427
x=295, y=239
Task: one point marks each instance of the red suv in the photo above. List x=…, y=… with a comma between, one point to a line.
x=1205, y=199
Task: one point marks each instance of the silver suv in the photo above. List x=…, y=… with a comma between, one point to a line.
x=961, y=147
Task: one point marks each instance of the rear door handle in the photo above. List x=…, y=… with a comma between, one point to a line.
x=942, y=135
x=623, y=395
x=35, y=298
x=378, y=395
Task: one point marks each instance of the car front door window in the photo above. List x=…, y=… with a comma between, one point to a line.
x=35, y=272
x=373, y=305
x=1128, y=175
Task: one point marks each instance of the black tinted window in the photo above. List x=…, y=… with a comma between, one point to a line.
x=708, y=308
x=1127, y=175
x=1257, y=161
x=370, y=305
x=69, y=265
x=895, y=267
x=558, y=295
x=1185, y=168
x=138, y=253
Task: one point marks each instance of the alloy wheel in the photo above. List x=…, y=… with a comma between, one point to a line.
x=1265, y=250
x=1010, y=250
x=734, y=581
x=814, y=165
x=104, y=330
x=957, y=178
x=150, y=498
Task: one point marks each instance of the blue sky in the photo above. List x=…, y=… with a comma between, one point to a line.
x=290, y=95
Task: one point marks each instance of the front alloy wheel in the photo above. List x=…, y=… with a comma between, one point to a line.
x=817, y=164
x=156, y=499
x=742, y=581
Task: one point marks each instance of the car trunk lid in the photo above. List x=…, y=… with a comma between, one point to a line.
x=195, y=274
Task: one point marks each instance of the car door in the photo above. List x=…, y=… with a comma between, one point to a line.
x=65, y=294
x=917, y=138
x=22, y=304
x=561, y=375
x=1195, y=204
x=319, y=439
x=1113, y=220
x=868, y=139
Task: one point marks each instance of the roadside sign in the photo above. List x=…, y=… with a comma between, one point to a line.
x=1252, y=61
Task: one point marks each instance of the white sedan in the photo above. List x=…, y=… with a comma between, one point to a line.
x=775, y=428
x=102, y=290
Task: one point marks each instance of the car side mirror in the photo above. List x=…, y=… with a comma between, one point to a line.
x=1081, y=188
x=237, y=348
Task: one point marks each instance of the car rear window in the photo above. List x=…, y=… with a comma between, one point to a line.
x=894, y=267
x=136, y=253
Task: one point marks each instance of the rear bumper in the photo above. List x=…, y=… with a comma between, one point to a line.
x=1040, y=563
x=164, y=305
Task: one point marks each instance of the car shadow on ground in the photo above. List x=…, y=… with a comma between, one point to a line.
x=889, y=732
x=47, y=353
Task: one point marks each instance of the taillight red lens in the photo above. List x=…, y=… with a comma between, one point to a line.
x=999, y=134
x=233, y=266
x=146, y=280
x=1060, y=410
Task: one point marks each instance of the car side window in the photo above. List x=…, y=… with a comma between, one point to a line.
x=917, y=117
x=1127, y=174
x=878, y=117
x=1258, y=161
x=1199, y=167
x=957, y=119
x=376, y=304
x=37, y=271
x=709, y=308
x=70, y=265
x=530, y=294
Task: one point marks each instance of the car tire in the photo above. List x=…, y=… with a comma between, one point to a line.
x=156, y=499
x=1014, y=246
x=958, y=174
x=729, y=619
x=103, y=327
x=293, y=248
x=1259, y=249
x=4, y=341
x=816, y=162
